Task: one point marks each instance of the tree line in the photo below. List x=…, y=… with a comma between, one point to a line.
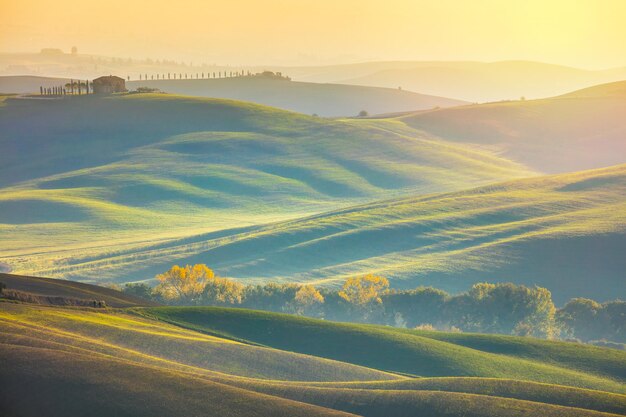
x=503, y=308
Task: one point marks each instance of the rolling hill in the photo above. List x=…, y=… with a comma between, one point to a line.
x=88, y=176
x=71, y=289
x=471, y=81
x=23, y=84
x=146, y=361
x=467, y=80
x=564, y=232
x=328, y=100
x=579, y=130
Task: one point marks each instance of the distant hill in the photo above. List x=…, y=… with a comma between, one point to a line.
x=580, y=130
x=28, y=84
x=330, y=100
x=464, y=80
x=564, y=232
x=108, y=174
x=474, y=81
x=308, y=98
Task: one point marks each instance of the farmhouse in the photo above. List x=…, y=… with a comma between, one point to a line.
x=108, y=84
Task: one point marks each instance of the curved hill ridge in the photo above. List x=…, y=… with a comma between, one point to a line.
x=584, y=129
x=534, y=231
x=63, y=360
x=88, y=175
x=328, y=100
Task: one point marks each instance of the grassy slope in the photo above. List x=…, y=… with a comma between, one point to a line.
x=142, y=340
x=48, y=382
x=554, y=231
x=93, y=176
x=397, y=351
x=328, y=100
x=53, y=361
x=71, y=289
x=580, y=130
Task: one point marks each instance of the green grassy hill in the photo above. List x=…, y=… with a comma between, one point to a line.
x=59, y=361
x=38, y=381
x=90, y=177
x=579, y=130
x=329, y=100
x=554, y=231
x=405, y=352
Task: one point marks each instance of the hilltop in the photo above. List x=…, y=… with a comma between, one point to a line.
x=472, y=81
x=580, y=130
x=22, y=84
x=465, y=80
x=326, y=100
x=87, y=176
x=554, y=231
x=329, y=100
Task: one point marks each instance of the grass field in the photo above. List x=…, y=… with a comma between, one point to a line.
x=575, y=131
x=259, y=193
x=60, y=361
x=133, y=171
x=414, y=353
x=554, y=231
x=328, y=100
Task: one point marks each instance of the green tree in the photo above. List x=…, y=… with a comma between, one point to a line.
x=140, y=290
x=423, y=305
x=505, y=308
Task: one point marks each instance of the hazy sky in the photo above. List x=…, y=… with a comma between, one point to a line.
x=584, y=33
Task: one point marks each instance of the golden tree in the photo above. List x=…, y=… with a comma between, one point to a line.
x=364, y=290
x=184, y=284
x=223, y=291
x=307, y=298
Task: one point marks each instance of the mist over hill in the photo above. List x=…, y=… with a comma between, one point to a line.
x=464, y=80
x=579, y=130
x=330, y=100
x=89, y=175
x=308, y=98
x=563, y=232
x=471, y=81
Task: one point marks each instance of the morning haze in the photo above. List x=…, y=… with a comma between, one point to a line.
x=587, y=34
x=313, y=208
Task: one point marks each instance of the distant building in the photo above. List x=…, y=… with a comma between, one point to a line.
x=108, y=84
